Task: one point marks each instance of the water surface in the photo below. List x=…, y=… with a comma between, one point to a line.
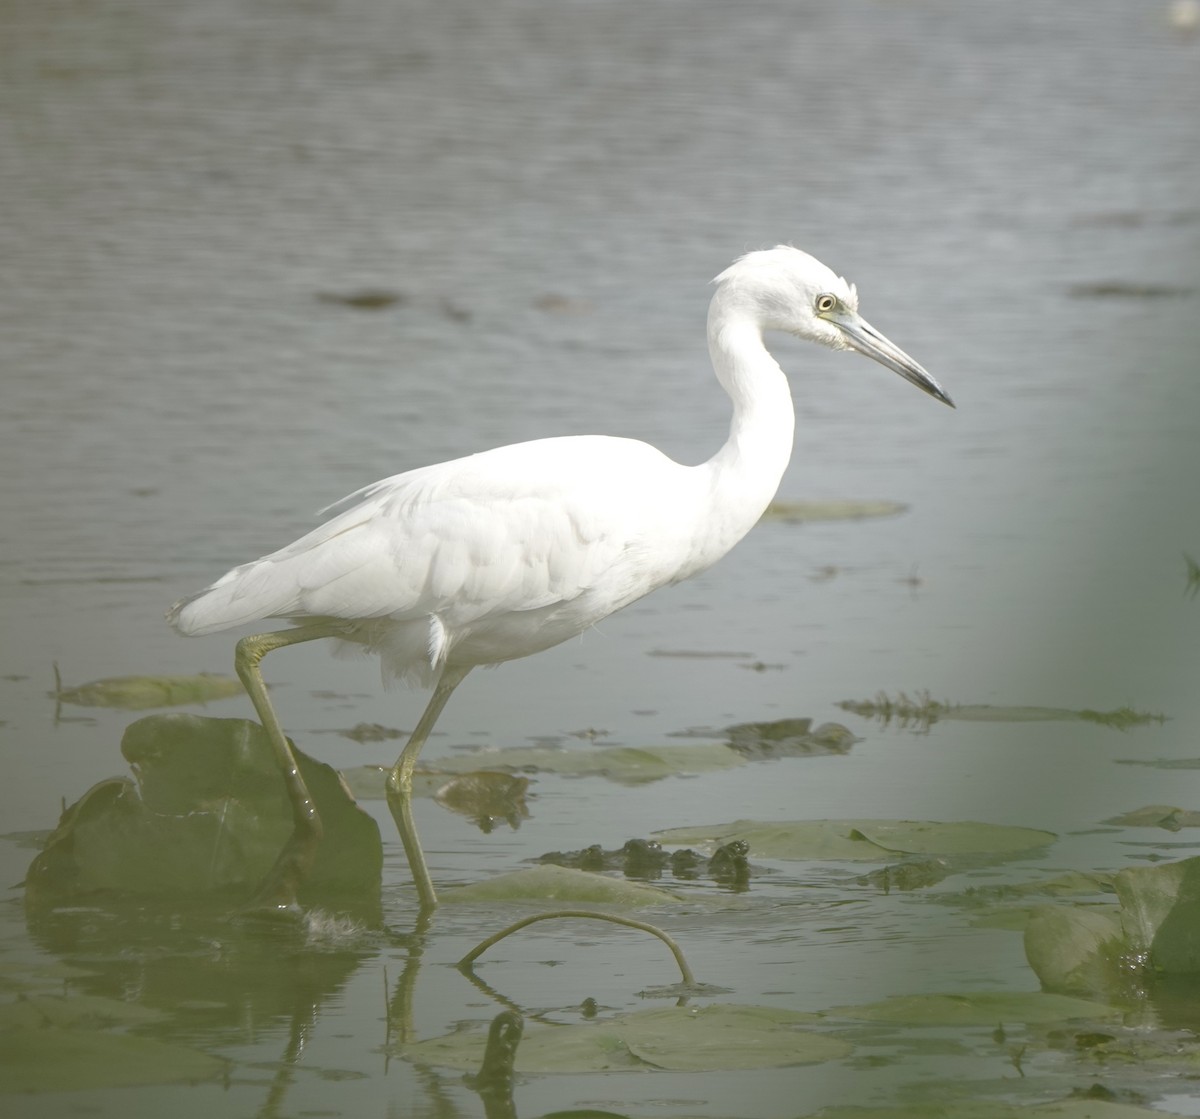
x=547, y=189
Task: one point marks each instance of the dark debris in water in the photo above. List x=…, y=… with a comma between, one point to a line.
x=646, y=860
x=371, y=732
x=1134, y=219
x=364, y=299
x=795, y=737
x=1192, y=587
x=912, y=874
x=1127, y=289
x=1121, y=719
x=789, y=738
x=920, y=712
x=486, y=798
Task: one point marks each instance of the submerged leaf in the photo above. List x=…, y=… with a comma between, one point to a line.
x=79, y=1011
x=681, y=1038
x=139, y=693
x=978, y=1008
x=58, y=1060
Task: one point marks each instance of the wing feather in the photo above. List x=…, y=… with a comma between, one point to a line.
x=520, y=528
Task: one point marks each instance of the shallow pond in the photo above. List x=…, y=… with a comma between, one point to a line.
x=260, y=254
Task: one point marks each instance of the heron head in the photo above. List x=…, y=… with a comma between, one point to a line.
x=786, y=289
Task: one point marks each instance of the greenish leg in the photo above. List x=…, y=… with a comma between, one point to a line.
x=399, y=784
x=278, y=888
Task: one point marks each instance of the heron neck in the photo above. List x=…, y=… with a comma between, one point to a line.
x=747, y=470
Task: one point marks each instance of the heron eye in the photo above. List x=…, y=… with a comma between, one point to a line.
x=825, y=304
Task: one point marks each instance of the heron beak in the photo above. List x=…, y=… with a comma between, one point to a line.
x=864, y=338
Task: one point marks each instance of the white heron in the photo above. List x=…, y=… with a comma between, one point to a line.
x=505, y=553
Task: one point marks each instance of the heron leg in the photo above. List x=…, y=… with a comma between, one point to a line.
x=399, y=784
x=295, y=861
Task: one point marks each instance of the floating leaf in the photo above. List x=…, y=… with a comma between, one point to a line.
x=797, y=512
x=980, y=1008
x=1072, y=882
x=681, y=1038
x=625, y=764
x=864, y=839
x=1157, y=816
x=804, y=839
x=139, y=693
x=1162, y=763
x=561, y=884
x=962, y=838
x=58, y=1060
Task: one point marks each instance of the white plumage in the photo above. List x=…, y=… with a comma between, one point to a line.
x=501, y=554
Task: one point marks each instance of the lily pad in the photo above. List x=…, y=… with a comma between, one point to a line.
x=561, y=884
x=980, y=1008
x=864, y=839
x=24, y=975
x=58, y=1060
x=681, y=1038
x=207, y=812
x=962, y=838
x=140, y=693
x=625, y=764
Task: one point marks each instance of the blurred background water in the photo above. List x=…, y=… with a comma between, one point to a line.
x=539, y=193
